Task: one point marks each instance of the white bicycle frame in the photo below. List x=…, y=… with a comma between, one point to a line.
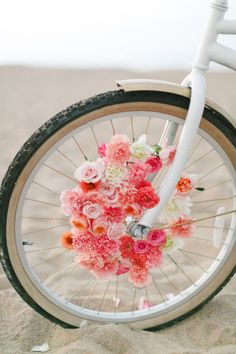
x=209, y=50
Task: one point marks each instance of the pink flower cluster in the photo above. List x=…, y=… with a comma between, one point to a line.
x=110, y=192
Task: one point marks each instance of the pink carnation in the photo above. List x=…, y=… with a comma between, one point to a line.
x=72, y=202
x=139, y=276
x=137, y=172
x=114, y=214
x=154, y=257
x=156, y=237
x=118, y=153
x=154, y=164
x=108, y=270
x=146, y=197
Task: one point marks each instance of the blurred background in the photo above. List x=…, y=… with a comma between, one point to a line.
x=131, y=34
x=56, y=52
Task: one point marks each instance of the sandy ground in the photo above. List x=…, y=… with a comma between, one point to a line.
x=28, y=97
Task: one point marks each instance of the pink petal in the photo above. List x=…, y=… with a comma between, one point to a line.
x=144, y=304
x=122, y=269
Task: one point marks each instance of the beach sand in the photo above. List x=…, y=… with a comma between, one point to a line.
x=29, y=97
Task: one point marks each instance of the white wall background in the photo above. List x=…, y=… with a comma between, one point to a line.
x=132, y=34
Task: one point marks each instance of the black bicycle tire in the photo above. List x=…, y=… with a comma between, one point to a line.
x=71, y=113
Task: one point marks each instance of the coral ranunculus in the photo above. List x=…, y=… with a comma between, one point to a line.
x=80, y=222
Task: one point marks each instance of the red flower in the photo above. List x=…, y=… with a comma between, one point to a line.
x=154, y=164
x=87, y=187
x=126, y=246
x=142, y=184
x=146, y=197
x=115, y=214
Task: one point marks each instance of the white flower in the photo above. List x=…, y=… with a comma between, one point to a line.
x=140, y=150
x=173, y=244
x=177, y=206
x=114, y=173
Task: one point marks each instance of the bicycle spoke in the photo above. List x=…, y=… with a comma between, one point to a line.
x=78, y=145
x=104, y=295
x=197, y=264
x=46, y=188
x=67, y=158
x=59, y=172
x=42, y=202
x=199, y=159
x=49, y=259
x=45, y=229
x=132, y=128
x=181, y=269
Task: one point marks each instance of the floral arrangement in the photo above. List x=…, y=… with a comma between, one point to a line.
x=114, y=191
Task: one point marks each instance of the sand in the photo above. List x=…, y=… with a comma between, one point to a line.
x=28, y=98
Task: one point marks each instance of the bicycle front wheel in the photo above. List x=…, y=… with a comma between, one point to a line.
x=47, y=276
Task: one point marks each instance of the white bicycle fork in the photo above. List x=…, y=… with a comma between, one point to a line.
x=209, y=50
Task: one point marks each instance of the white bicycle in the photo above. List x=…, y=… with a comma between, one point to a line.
x=126, y=255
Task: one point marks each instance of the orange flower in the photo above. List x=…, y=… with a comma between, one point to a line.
x=80, y=222
x=184, y=185
x=67, y=240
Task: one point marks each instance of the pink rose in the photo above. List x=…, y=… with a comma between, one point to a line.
x=154, y=164
x=90, y=172
x=102, y=150
x=91, y=210
x=156, y=237
x=140, y=246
